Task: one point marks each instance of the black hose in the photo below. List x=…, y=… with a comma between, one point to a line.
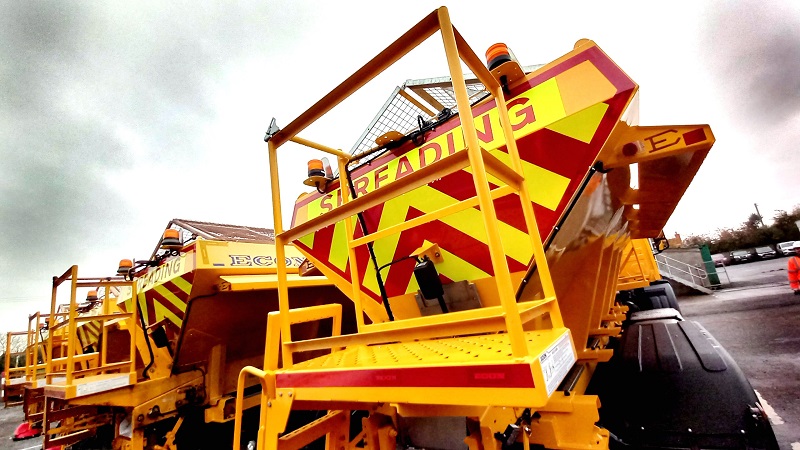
x=146, y=339
x=363, y=223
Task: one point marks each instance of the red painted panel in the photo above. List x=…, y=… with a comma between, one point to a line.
x=488, y=376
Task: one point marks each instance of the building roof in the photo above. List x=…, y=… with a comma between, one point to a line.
x=192, y=229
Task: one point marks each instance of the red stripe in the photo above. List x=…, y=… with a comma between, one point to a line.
x=505, y=376
x=150, y=310
x=694, y=136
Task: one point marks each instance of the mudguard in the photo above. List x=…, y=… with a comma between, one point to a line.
x=671, y=385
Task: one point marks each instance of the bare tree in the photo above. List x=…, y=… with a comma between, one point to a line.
x=19, y=343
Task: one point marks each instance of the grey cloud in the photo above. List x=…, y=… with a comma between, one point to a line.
x=71, y=74
x=756, y=53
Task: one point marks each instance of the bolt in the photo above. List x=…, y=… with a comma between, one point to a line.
x=140, y=418
x=269, y=404
x=280, y=394
x=290, y=394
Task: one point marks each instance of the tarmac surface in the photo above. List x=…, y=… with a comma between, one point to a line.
x=9, y=419
x=757, y=321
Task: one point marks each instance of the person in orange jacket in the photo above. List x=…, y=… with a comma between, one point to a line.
x=794, y=269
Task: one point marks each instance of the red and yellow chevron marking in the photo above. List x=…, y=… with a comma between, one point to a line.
x=561, y=118
x=163, y=292
x=167, y=301
x=89, y=334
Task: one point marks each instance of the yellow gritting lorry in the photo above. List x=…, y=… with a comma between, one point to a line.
x=481, y=242
x=457, y=280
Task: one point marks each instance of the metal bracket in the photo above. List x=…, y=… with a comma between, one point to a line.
x=272, y=130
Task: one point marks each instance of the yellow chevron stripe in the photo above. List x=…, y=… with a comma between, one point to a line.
x=162, y=312
x=182, y=284
x=581, y=125
x=180, y=304
x=547, y=104
x=308, y=240
x=338, y=255
x=546, y=188
x=470, y=221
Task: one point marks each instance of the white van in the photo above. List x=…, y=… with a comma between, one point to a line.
x=786, y=248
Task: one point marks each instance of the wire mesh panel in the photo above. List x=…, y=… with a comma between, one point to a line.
x=417, y=100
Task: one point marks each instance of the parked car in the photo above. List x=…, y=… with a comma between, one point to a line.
x=785, y=248
x=742, y=256
x=720, y=259
x=765, y=252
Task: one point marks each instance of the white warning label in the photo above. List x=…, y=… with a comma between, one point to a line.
x=556, y=362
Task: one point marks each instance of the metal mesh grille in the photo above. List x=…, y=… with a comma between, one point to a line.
x=447, y=97
x=400, y=114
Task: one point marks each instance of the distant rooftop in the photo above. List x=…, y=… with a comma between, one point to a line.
x=224, y=232
x=192, y=229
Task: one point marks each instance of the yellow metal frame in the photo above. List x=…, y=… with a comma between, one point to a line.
x=481, y=162
x=516, y=322
x=36, y=346
x=65, y=366
x=13, y=383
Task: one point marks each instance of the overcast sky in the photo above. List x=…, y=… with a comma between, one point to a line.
x=116, y=117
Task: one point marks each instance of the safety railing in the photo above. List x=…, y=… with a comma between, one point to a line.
x=686, y=272
x=482, y=164
x=15, y=369
x=65, y=369
x=36, y=348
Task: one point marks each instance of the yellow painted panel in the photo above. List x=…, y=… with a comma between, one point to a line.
x=308, y=240
x=338, y=255
x=582, y=86
x=546, y=188
x=581, y=125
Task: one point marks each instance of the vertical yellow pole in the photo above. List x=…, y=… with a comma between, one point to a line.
x=71, y=326
x=499, y=265
x=280, y=254
x=133, y=325
x=51, y=322
x=39, y=347
x=8, y=358
x=525, y=198
x=28, y=352
x=344, y=191
x=104, y=333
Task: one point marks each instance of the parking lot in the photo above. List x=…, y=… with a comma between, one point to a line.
x=756, y=317
x=756, y=273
